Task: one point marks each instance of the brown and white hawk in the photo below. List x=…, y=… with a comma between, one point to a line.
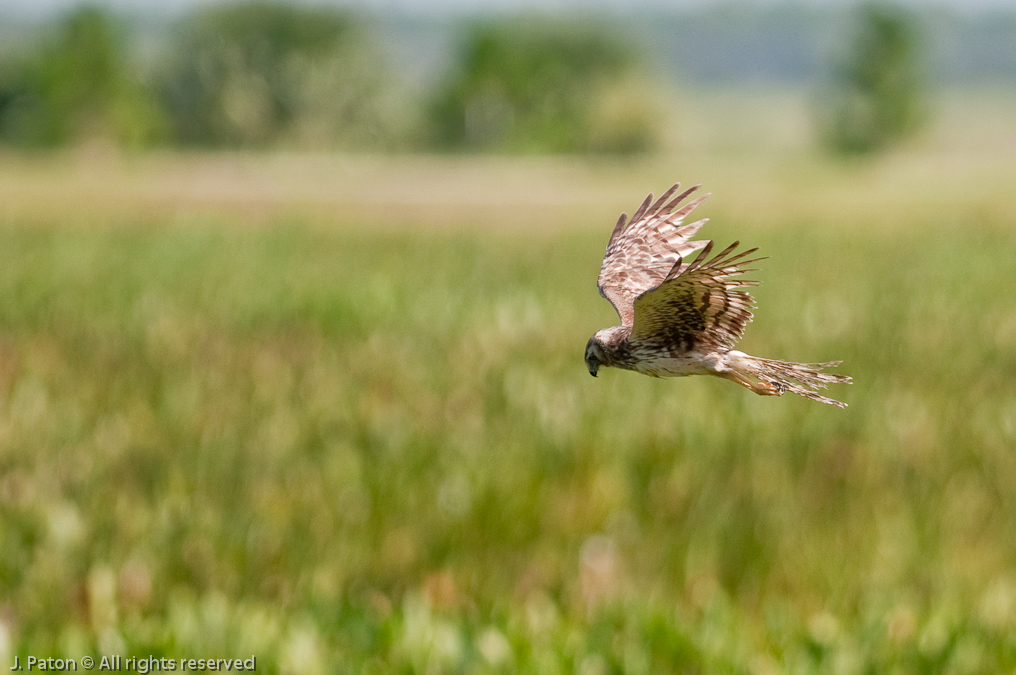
x=684, y=318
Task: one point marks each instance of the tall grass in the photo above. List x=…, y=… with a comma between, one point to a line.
x=379, y=451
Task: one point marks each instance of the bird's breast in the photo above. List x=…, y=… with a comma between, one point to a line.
x=664, y=362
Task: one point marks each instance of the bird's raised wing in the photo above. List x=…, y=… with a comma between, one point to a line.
x=697, y=303
x=644, y=251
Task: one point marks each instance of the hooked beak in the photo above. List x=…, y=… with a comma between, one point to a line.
x=592, y=371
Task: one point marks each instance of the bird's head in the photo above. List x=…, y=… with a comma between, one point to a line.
x=596, y=354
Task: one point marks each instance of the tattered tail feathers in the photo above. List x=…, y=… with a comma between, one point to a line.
x=803, y=379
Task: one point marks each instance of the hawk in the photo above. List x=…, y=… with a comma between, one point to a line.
x=684, y=318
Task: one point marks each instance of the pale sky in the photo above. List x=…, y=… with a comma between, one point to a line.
x=37, y=8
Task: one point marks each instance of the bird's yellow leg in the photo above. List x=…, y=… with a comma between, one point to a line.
x=760, y=388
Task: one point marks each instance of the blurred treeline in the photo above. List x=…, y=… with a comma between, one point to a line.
x=270, y=75
x=276, y=75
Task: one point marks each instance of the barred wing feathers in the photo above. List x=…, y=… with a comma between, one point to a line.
x=697, y=303
x=646, y=250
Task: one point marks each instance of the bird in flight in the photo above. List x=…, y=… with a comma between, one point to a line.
x=684, y=318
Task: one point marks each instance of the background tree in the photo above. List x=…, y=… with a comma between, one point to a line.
x=259, y=74
x=77, y=85
x=537, y=86
x=876, y=98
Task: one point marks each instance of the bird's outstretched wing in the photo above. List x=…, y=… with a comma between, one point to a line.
x=647, y=249
x=697, y=303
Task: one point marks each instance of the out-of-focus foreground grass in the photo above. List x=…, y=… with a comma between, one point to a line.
x=349, y=447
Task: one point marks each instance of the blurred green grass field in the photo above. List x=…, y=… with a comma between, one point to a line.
x=359, y=437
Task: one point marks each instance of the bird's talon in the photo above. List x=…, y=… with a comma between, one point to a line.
x=769, y=388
